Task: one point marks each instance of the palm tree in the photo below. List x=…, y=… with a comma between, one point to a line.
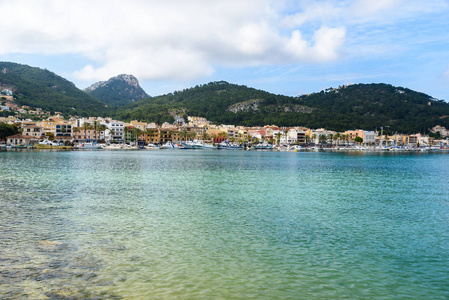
x=184, y=134
x=86, y=126
x=149, y=132
x=223, y=134
x=322, y=138
x=137, y=133
x=337, y=137
x=192, y=135
x=278, y=137
x=286, y=136
x=95, y=126
x=103, y=128
x=111, y=132
x=127, y=129
x=307, y=139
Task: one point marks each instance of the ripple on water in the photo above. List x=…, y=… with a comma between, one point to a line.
x=261, y=225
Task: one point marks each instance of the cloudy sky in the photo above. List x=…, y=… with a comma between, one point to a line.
x=284, y=47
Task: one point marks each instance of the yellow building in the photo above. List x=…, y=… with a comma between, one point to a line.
x=48, y=125
x=352, y=134
x=140, y=125
x=166, y=135
x=152, y=136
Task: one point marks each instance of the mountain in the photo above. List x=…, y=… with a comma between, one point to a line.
x=367, y=106
x=39, y=88
x=117, y=91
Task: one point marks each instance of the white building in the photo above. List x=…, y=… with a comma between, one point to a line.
x=369, y=137
x=115, y=131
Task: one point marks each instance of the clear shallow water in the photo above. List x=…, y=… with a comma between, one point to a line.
x=223, y=225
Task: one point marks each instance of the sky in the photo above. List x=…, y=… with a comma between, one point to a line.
x=280, y=46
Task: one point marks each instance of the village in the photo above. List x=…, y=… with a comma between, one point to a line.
x=106, y=131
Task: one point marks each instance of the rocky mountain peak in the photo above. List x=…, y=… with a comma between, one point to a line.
x=119, y=90
x=129, y=79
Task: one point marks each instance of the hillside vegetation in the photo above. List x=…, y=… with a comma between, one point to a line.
x=217, y=101
x=36, y=87
x=367, y=106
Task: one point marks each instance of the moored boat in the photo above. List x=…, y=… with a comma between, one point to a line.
x=88, y=146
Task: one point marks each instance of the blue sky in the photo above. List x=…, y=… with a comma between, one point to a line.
x=284, y=47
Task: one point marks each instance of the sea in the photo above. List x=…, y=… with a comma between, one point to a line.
x=223, y=224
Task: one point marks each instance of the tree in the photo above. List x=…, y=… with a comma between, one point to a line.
x=307, y=139
x=286, y=136
x=184, y=134
x=137, y=133
x=127, y=130
x=86, y=126
x=205, y=136
x=322, y=138
x=337, y=137
x=50, y=136
x=358, y=140
x=192, y=135
x=95, y=126
x=103, y=128
x=149, y=132
x=278, y=137
x=7, y=130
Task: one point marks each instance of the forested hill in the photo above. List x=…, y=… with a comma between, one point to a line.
x=367, y=106
x=36, y=87
x=220, y=102
x=371, y=106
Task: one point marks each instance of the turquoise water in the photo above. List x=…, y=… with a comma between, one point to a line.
x=223, y=225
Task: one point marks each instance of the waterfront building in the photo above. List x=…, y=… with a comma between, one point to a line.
x=21, y=140
x=63, y=130
x=233, y=133
x=140, y=125
x=83, y=135
x=296, y=136
x=31, y=129
x=169, y=135
x=115, y=131
x=151, y=136
x=369, y=137
x=257, y=134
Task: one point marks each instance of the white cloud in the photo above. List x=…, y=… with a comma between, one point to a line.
x=161, y=39
x=177, y=39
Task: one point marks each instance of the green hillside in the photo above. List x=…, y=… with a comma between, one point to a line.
x=371, y=106
x=367, y=106
x=36, y=87
x=212, y=101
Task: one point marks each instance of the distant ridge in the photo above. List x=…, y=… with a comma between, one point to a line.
x=117, y=91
